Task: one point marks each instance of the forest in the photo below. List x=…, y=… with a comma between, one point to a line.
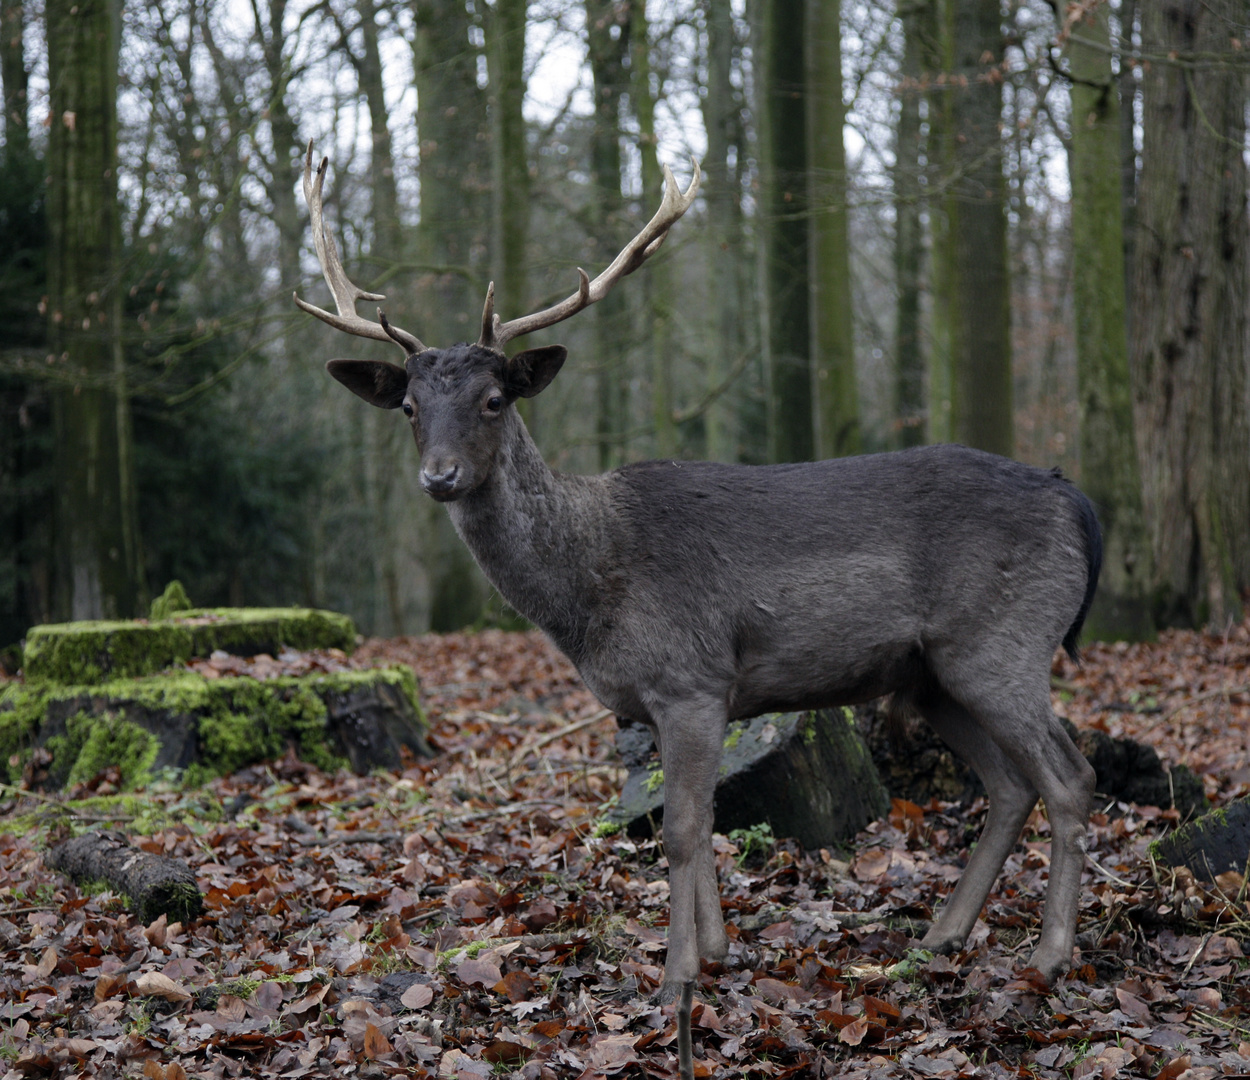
x=1016, y=225
x=1019, y=225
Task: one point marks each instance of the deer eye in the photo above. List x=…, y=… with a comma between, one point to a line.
x=494, y=403
x=407, y=407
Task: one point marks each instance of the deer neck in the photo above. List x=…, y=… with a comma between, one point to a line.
x=537, y=535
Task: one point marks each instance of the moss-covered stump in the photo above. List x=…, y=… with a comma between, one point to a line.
x=362, y=719
x=1210, y=845
x=85, y=653
x=808, y=775
x=154, y=885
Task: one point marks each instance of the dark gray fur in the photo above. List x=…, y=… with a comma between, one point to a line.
x=690, y=593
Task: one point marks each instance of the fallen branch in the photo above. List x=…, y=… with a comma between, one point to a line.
x=1199, y=698
x=547, y=740
x=154, y=884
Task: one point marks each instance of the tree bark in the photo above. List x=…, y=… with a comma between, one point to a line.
x=981, y=391
x=656, y=288
x=390, y=504
x=510, y=165
x=908, y=236
x=155, y=885
x=1127, y=82
x=723, y=235
x=1109, y=471
x=781, y=112
x=936, y=34
x=1190, y=355
x=835, y=396
x=14, y=77
x=98, y=573
x=455, y=214
x=608, y=30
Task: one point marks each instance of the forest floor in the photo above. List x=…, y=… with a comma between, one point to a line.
x=460, y=919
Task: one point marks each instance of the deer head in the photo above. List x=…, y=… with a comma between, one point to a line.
x=459, y=399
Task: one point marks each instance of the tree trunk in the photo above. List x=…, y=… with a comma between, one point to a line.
x=98, y=572
x=781, y=112
x=607, y=64
x=908, y=236
x=655, y=288
x=936, y=50
x=510, y=167
x=14, y=77
x=981, y=392
x=1190, y=354
x=1109, y=472
x=1127, y=82
x=390, y=503
x=723, y=235
x=834, y=393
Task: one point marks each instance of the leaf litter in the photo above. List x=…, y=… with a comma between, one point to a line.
x=461, y=918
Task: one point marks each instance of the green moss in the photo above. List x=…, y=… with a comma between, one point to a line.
x=734, y=736
x=92, y=744
x=172, y=600
x=807, y=728
x=86, y=653
x=654, y=781
x=237, y=721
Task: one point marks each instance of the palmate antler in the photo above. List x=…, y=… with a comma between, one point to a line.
x=345, y=292
x=495, y=334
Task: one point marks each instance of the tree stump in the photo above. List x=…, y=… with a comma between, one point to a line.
x=1210, y=845
x=916, y=765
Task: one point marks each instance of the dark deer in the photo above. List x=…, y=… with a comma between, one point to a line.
x=690, y=593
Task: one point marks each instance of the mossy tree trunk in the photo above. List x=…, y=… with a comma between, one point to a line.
x=452, y=125
x=976, y=253
x=98, y=571
x=723, y=234
x=655, y=289
x=1109, y=471
x=608, y=34
x=835, y=396
x=14, y=77
x=510, y=189
x=1191, y=349
x=781, y=112
x=935, y=32
x=909, y=235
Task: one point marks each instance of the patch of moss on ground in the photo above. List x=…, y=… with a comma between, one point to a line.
x=85, y=653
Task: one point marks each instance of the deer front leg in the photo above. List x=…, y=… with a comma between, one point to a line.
x=691, y=737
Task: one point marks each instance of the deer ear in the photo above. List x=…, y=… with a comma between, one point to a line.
x=378, y=382
x=529, y=372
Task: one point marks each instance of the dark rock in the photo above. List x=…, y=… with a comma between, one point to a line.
x=807, y=775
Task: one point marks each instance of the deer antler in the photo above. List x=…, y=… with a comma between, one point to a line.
x=495, y=335
x=345, y=293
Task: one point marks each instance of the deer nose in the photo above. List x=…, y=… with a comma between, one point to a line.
x=440, y=483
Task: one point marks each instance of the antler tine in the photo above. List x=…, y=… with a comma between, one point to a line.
x=675, y=203
x=341, y=287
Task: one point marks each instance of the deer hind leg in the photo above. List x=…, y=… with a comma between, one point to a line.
x=1011, y=797
x=691, y=736
x=1015, y=714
